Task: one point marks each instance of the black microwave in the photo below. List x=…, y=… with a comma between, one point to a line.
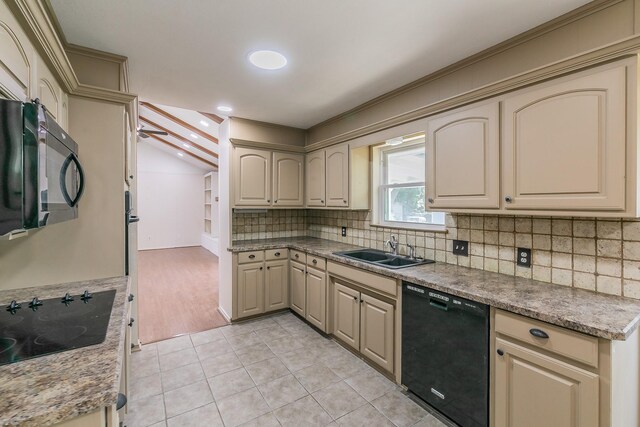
x=41, y=179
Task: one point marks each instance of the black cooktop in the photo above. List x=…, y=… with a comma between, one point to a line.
x=39, y=327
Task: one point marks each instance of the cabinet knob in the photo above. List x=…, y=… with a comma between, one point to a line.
x=321, y=201
x=277, y=254
x=500, y=352
x=508, y=199
x=355, y=298
x=297, y=256
x=130, y=297
x=260, y=268
x=275, y=201
x=315, y=261
x=345, y=202
x=268, y=200
x=268, y=267
x=131, y=320
x=252, y=256
x=430, y=199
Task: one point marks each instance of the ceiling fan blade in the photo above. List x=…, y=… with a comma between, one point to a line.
x=154, y=132
x=142, y=135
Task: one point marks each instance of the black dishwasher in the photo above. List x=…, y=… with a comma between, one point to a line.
x=445, y=348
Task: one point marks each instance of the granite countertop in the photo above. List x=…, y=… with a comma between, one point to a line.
x=57, y=387
x=606, y=316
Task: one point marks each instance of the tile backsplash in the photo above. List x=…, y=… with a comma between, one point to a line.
x=601, y=255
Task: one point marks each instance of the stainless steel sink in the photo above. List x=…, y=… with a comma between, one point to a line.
x=383, y=259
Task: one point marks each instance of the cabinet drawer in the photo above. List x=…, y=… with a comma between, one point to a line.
x=373, y=281
x=253, y=256
x=316, y=262
x=272, y=254
x=298, y=256
x=571, y=344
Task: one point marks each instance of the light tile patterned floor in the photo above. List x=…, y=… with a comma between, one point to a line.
x=268, y=372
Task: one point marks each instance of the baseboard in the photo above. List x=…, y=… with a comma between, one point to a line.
x=136, y=347
x=224, y=314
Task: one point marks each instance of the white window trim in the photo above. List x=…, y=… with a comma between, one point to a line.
x=378, y=197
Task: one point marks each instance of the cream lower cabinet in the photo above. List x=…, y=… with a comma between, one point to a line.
x=316, y=298
x=298, y=287
x=276, y=285
x=250, y=289
x=365, y=323
x=261, y=281
x=533, y=389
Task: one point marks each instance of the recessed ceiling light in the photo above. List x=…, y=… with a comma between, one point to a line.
x=225, y=109
x=267, y=59
x=180, y=154
x=194, y=136
x=186, y=145
x=204, y=123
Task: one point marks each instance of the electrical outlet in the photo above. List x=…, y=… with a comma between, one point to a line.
x=344, y=231
x=523, y=257
x=461, y=247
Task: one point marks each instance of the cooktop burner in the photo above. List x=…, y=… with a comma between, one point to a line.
x=38, y=327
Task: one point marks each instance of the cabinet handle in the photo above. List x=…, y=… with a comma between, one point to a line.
x=430, y=199
x=252, y=256
x=538, y=333
x=130, y=297
x=508, y=199
x=277, y=254
x=500, y=352
x=131, y=320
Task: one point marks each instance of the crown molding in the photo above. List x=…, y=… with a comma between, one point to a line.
x=39, y=18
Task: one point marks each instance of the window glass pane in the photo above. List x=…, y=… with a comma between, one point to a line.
x=406, y=204
x=405, y=165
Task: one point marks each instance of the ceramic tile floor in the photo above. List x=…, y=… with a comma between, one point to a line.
x=268, y=372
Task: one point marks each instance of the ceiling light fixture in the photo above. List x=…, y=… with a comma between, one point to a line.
x=204, y=123
x=267, y=59
x=180, y=154
x=225, y=109
x=186, y=145
x=194, y=136
x=394, y=141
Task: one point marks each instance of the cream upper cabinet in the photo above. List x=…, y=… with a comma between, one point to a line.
x=252, y=177
x=288, y=179
x=316, y=298
x=463, y=158
x=533, y=389
x=17, y=61
x=337, y=176
x=315, y=182
x=346, y=315
x=276, y=286
x=564, y=143
x=298, y=288
x=377, y=331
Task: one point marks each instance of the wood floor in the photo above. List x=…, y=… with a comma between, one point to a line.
x=178, y=292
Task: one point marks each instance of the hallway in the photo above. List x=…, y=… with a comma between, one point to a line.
x=178, y=292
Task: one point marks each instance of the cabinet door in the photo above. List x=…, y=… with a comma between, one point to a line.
x=564, y=144
x=532, y=389
x=298, y=293
x=276, y=294
x=315, y=182
x=376, y=331
x=317, y=298
x=346, y=315
x=463, y=159
x=288, y=179
x=338, y=176
x=252, y=177
x=250, y=289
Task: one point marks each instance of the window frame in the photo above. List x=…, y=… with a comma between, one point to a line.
x=380, y=176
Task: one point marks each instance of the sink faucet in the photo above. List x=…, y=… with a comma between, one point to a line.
x=393, y=244
x=412, y=251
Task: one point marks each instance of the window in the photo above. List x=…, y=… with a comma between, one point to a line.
x=401, y=190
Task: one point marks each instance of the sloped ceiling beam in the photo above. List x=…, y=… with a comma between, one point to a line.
x=178, y=137
x=213, y=117
x=179, y=122
x=164, y=141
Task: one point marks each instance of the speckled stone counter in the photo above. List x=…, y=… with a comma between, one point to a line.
x=61, y=386
x=604, y=316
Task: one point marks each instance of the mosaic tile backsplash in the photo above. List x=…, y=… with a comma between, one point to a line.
x=601, y=255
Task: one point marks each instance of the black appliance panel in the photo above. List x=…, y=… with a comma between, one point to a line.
x=445, y=349
x=56, y=325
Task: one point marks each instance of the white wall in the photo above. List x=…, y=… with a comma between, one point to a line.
x=225, y=268
x=170, y=200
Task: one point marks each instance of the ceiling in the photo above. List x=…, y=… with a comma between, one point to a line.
x=193, y=53
x=191, y=136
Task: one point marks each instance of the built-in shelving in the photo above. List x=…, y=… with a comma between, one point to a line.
x=208, y=226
